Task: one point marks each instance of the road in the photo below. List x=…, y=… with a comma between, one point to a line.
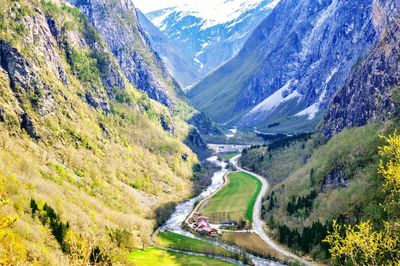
x=258, y=223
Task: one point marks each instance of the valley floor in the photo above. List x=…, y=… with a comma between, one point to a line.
x=235, y=201
x=244, y=190
x=160, y=257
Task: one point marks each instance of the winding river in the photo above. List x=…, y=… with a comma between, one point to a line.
x=183, y=210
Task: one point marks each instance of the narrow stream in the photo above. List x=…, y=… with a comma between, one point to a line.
x=182, y=210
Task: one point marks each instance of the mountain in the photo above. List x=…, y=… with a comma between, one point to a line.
x=117, y=21
x=210, y=34
x=179, y=63
x=89, y=164
x=340, y=175
x=294, y=62
x=372, y=91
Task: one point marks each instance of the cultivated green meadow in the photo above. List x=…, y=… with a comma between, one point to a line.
x=159, y=257
x=229, y=156
x=235, y=201
x=176, y=241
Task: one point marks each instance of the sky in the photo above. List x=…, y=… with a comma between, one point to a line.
x=152, y=5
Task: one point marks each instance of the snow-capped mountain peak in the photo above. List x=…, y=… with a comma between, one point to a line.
x=221, y=12
x=211, y=34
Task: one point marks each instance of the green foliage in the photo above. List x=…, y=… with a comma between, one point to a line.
x=302, y=203
x=85, y=160
x=228, y=156
x=279, y=158
x=159, y=257
x=306, y=240
x=123, y=96
x=123, y=238
x=48, y=216
x=84, y=66
x=179, y=242
x=321, y=181
x=365, y=244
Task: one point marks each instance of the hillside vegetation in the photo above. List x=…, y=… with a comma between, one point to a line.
x=337, y=180
x=86, y=160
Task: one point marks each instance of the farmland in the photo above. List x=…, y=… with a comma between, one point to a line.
x=235, y=201
x=159, y=257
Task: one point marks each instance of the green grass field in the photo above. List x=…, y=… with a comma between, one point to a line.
x=176, y=241
x=236, y=200
x=228, y=156
x=159, y=257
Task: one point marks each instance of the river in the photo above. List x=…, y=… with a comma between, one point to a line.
x=182, y=210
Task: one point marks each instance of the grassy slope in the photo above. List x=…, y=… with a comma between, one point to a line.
x=99, y=172
x=353, y=151
x=278, y=164
x=159, y=257
x=217, y=93
x=179, y=242
x=236, y=200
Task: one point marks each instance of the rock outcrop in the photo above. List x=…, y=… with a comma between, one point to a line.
x=117, y=22
x=373, y=90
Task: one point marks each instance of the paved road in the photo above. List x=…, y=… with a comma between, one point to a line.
x=258, y=223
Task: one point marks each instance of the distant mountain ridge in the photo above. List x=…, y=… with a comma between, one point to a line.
x=210, y=35
x=288, y=71
x=177, y=62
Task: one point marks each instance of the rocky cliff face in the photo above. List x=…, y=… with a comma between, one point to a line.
x=210, y=34
x=373, y=90
x=290, y=68
x=117, y=22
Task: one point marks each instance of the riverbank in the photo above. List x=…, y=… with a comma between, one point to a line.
x=184, y=209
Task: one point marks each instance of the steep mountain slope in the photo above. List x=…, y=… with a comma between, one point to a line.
x=89, y=162
x=118, y=23
x=373, y=91
x=337, y=176
x=291, y=66
x=176, y=60
x=211, y=34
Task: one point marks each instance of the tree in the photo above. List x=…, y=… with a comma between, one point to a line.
x=366, y=244
x=12, y=251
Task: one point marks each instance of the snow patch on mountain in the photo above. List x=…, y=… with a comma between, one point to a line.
x=210, y=34
x=280, y=96
x=273, y=4
x=220, y=12
x=313, y=109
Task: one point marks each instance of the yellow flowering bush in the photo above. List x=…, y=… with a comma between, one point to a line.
x=366, y=244
x=12, y=251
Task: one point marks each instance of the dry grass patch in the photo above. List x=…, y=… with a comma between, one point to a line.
x=252, y=243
